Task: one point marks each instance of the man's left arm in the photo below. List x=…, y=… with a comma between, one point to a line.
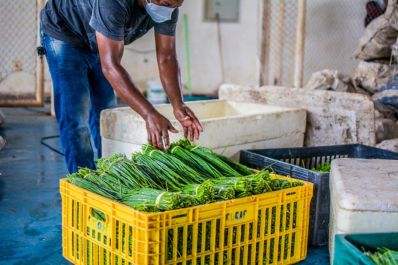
x=170, y=76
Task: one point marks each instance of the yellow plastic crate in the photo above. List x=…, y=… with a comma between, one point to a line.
x=271, y=228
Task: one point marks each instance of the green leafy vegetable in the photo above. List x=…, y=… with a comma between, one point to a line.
x=210, y=157
x=325, y=168
x=383, y=256
x=186, y=175
x=194, y=161
x=203, y=193
x=151, y=200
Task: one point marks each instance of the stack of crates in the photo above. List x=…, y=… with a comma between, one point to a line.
x=270, y=228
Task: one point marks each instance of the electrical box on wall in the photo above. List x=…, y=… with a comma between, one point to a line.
x=226, y=10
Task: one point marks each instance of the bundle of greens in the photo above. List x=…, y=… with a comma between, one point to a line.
x=106, y=164
x=222, y=192
x=108, y=183
x=194, y=161
x=383, y=256
x=162, y=175
x=203, y=193
x=188, y=200
x=260, y=182
x=241, y=185
x=90, y=185
x=118, y=166
x=280, y=184
x=152, y=200
x=185, y=171
x=210, y=157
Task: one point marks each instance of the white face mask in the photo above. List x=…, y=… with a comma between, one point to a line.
x=158, y=13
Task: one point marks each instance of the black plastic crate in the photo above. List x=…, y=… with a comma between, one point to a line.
x=298, y=162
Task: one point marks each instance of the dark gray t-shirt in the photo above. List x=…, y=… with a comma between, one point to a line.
x=76, y=21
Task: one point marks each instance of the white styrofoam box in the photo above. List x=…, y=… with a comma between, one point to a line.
x=333, y=117
x=364, y=197
x=226, y=124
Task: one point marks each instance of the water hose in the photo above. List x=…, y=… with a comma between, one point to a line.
x=187, y=54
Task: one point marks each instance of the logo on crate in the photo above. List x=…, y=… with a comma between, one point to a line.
x=96, y=224
x=240, y=214
x=236, y=216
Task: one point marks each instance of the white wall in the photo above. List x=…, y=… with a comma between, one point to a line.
x=240, y=44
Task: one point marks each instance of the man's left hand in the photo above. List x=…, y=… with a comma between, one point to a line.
x=190, y=123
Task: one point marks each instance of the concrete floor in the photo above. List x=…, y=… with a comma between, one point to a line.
x=30, y=204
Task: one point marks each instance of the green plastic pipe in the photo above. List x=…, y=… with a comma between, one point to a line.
x=187, y=54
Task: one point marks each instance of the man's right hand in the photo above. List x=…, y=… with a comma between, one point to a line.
x=158, y=128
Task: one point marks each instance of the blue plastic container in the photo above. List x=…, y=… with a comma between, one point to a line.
x=349, y=249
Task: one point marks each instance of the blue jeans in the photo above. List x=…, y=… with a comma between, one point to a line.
x=81, y=92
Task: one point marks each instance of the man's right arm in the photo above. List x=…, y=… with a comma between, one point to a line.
x=111, y=52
